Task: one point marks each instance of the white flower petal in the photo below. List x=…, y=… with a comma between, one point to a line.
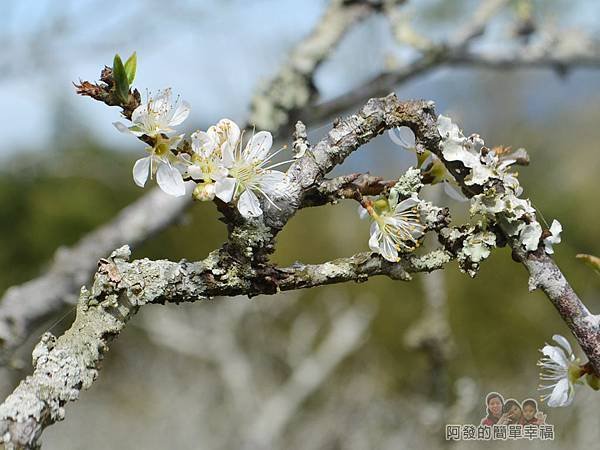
x=454, y=193
x=181, y=113
x=274, y=183
x=230, y=129
x=560, y=394
x=203, y=143
x=406, y=204
x=227, y=155
x=259, y=146
x=227, y=134
x=362, y=212
x=162, y=98
x=556, y=354
x=562, y=341
x=373, y=239
x=195, y=172
x=224, y=189
x=388, y=249
x=140, y=113
x=141, y=169
x=219, y=173
x=403, y=136
x=248, y=204
x=170, y=180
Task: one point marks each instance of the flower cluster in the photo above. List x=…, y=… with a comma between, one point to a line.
x=499, y=200
x=217, y=161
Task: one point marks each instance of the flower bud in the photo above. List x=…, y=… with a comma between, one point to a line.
x=204, y=192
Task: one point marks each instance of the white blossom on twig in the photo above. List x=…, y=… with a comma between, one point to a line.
x=251, y=174
x=561, y=370
x=157, y=116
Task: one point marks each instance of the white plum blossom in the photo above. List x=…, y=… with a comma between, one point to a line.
x=163, y=163
x=561, y=370
x=157, y=116
x=554, y=238
x=251, y=174
x=396, y=229
x=156, y=119
x=206, y=165
x=226, y=133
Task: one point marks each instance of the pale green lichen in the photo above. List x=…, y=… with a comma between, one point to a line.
x=477, y=247
x=430, y=261
x=253, y=235
x=530, y=236
x=332, y=270
x=499, y=202
x=407, y=184
x=471, y=243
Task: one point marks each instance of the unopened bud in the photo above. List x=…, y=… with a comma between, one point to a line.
x=204, y=192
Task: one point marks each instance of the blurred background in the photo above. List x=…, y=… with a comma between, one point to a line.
x=382, y=364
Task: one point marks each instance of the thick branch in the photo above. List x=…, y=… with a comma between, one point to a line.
x=65, y=366
x=23, y=307
x=544, y=274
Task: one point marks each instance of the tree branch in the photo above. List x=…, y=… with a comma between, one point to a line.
x=292, y=89
x=24, y=307
x=346, y=334
x=68, y=364
x=65, y=366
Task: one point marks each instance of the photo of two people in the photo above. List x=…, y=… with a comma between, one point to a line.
x=501, y=412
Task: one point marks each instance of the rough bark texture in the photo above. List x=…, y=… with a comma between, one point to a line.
x=25, y=306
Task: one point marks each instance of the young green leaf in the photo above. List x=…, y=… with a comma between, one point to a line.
x=130, y=67
x=120, y=77
x=590, y=260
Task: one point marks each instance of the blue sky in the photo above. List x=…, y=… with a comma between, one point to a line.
x=212, y=53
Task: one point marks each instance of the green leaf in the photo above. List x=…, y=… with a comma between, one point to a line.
x=120, y=77
x=422, y=157
x=130, y=67
x=590, y=260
